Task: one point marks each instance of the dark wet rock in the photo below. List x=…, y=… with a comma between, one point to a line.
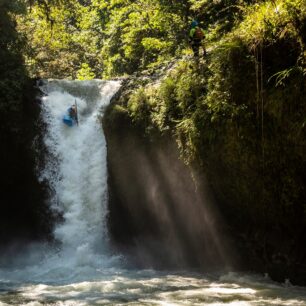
x=158, y=214
x=265, y=242
x=24, y=212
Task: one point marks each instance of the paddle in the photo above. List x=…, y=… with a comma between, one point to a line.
x=76, y=111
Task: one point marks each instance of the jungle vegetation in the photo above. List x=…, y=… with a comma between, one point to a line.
x=238, y=115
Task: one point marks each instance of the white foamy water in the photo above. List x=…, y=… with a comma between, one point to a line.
x=77, y=168
x=123, y=287
x=80, y=270
x=76, y=172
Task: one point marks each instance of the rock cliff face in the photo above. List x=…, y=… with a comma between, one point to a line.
x=24, y=213
x=166, y=214
x=161, y=212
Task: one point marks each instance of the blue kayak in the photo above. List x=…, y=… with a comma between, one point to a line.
x=68, y=120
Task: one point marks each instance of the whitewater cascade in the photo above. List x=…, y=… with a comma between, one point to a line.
x=76, y=166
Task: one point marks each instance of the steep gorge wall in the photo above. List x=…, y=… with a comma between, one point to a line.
x=157, y=202
x=161, y=212
x=25, y=215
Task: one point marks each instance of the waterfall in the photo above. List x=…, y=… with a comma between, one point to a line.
x=76, y=169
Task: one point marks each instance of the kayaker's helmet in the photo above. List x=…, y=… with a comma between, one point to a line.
x=194, y=24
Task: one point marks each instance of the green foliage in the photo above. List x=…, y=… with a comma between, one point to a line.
x=281, y=76
x=187, y=135
x=219, y=16
x=112, y=37
x=56, y=46
x=85, y=73
x=12, y=72
x=123, y=36
x=138, y=35
x=139, y=108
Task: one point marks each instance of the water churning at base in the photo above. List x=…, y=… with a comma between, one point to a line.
x=76, y=166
